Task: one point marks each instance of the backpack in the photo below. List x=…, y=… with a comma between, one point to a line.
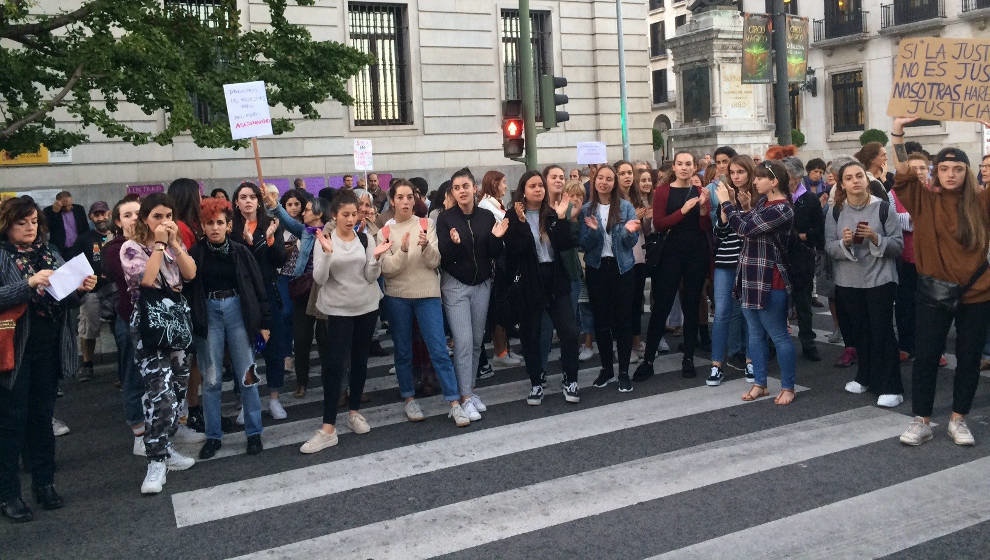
x=424, y=224
x=884, y=212
x=799, y=258
x=300, y=286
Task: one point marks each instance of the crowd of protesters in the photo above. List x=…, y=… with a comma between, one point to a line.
x=197, y=287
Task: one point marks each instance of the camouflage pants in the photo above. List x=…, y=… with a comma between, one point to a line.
x=165, y=375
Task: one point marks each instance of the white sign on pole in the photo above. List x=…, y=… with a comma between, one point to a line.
x=247, y=109
x=986, y=140
x=363, y=158
x=591, y=152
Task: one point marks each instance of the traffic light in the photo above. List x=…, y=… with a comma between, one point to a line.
x=548, y=87
x=513, y=143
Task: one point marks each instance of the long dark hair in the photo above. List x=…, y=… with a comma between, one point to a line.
x=149, y=203
x=840, y=192
x=775, y=170
x=637, y=198
x=971, y=221
x=520, y=196
x=185, y=196
x=115, y=214
x=260, y=214
x=19, y=208
x=615, y=198
x=746, y=162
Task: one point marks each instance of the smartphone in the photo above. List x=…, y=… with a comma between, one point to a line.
x=856, y=238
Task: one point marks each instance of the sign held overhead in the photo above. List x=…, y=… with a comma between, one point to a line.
x=247, y=109
x=942, y=79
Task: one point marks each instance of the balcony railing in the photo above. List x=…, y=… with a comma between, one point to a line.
x=902, y=12
x=835, y=27
x=973, y=5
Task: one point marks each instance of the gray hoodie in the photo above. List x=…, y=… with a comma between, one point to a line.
x=864, y=265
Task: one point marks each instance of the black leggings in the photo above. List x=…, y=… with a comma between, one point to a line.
x=639, y=288
x=873, y=336
x=610, y=293
x=303, y=326
x=352, y=336
x=682, y=267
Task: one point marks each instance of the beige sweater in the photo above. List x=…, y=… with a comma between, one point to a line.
x=411, y=274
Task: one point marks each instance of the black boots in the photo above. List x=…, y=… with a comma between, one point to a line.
x=47, y=497
x=16, y=510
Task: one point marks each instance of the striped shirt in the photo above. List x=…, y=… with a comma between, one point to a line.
x=728, y=245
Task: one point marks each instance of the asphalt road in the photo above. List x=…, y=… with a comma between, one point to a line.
x=674, y=469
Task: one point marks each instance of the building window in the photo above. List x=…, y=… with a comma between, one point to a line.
x=214, y=15
x=660, y=86
x=696, y=94
x=847, y=101
x=795, y=98
x=658, y=39
x=790, y=7
x=381, y=90
x=680, y=20
x=656, y=4
x=542, y=55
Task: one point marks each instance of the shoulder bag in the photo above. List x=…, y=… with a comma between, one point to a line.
x=163, y=320
x=945, y=295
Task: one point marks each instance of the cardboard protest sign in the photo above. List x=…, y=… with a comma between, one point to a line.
x=942, y=79
x=247, y=109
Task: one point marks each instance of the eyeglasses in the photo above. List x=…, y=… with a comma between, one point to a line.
x=770, y=169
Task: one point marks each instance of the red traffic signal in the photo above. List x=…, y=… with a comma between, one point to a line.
x=512, y=128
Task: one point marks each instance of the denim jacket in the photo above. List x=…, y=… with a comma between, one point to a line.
x=622, y=241
x=306, y=239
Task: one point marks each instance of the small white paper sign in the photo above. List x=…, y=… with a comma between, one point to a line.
x=591, y=152
x=247, y=109
x=68, y=277
x=363, y=159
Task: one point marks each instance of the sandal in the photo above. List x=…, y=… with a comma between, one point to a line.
x=754, y=393
x=782, y=399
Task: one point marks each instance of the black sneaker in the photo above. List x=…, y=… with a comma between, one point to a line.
x=625, y=385
x=486, y=371
x=687, y=368
x=603, y=379
x=715, y=379
x=643, y=371
x=85, y=373
x=543, y=378
x=535, y=397
x=254, y=444
x=570, y=391
x=811, y=353
x=210, y=448
x=195, y=420
x=737, y=362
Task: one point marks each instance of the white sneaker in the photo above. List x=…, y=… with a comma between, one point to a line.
x=59, y=428
x=391, y=370
x=855, y=388
x=835, y=337
x=585, y=354
x=918, y=432
x=320, y=441
x=277, y=410
x=459, y=416
x=476, y=401
x=472, y=412
x=178, y=462
x=185, y=434
x=890, y=401
x=357, y=423
x=155, y=479
x=413, y=412
x=635, y=357
x=959, y=432
x=508, y=360
x=139, y=447
x=240, y=417
x=517, y=357
x=664, y=347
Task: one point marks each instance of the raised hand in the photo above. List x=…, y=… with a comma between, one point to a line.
x=591, y=222
x=272, y=227
x=745, y=199
x=561, y=208
x=689, y=204
x=382, y=248
x=162, y=233
x=632, y=226
x=900, y=122
x=520, y=211
x=270, y=198
x=325, y=241
x=723, y=193
x=454, y=236
x=405, y=243
x=500, y=227
x=422, y=241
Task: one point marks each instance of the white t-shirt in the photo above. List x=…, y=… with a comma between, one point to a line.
x=603, y=225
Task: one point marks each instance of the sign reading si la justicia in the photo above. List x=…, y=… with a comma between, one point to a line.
x=756, y=66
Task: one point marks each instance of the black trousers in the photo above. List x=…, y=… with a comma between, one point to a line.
x=638, y=296
x=904, y=305
x=931, y=328
x=610, y=294
x=26, y=416
x=562, y=315
x=873, y=336
x=349, y=350
x=802, y=306
x=687, y=262
x=303, y=327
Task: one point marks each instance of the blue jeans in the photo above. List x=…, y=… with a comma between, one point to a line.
x=282, y=316
x=226, y=328
x=275, y=351
x=132, y=386
x=728, y=328
x=771, y=321
x=429, y=313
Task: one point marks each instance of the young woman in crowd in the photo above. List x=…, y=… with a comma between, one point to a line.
x=873, y=156
x=907, y=273
x=229, y=311
x=641, y=197
x=625, y=178
x=346, y=267
x=469, y=239
x=950, y=245
x=680, y=212
x=554, y=177
x=536, y=237
x=809, y=223
x=412, y=290
x=609, y=231
x=314, y=214
x=762, y=281
x=44, y=349
x=156, y=258
x=265, y=238
x=493, y=189
x=728, y=329
x=573, y=262
x=864, y=240
x=123, y=217
x=293, y=201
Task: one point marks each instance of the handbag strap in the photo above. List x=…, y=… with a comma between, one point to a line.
x=976, y=276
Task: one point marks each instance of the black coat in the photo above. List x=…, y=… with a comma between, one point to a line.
x=521, y=259
x=809, y=219
x=470, y=261
x=250, y=288
x=269, y=259
x=56, y=229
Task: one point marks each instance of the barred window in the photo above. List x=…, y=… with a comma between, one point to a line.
x=381, y=90
x=213, y=13
x=847, y=101
x=541, y=39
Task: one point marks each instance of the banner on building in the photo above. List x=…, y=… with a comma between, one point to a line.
x=941, y=79
x=797, y=49
x=756, y=63
x=43, y=156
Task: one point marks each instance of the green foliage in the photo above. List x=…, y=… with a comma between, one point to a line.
x=797, y=137
x=657, y=140
x=872, y=135
x=156, y=56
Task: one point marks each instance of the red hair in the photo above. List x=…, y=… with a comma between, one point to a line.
x=210, y=208
x=780, y=152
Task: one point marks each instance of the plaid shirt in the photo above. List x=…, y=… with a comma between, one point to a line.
x=763, y=230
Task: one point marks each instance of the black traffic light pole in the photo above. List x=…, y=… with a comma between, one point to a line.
x=781, y=88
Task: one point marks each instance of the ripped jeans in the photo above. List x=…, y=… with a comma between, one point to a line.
x=226, y=327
